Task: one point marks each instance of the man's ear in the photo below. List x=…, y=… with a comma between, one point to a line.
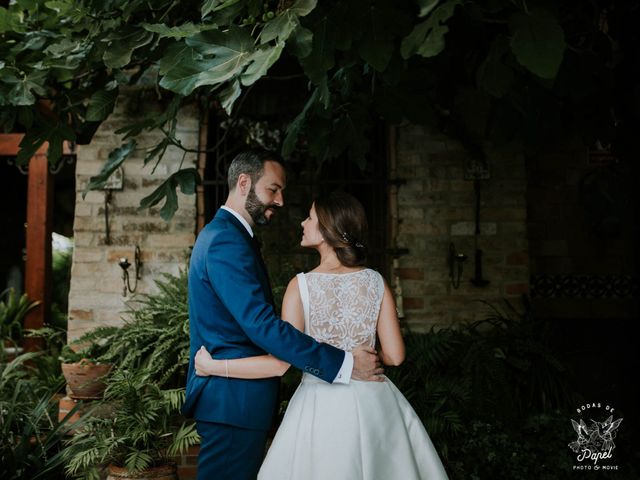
x=244, y=184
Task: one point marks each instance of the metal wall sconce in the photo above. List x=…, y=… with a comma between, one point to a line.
x=124, y=264
x=114, y=182
x=456, y=261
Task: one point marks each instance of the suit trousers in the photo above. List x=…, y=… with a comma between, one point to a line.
x=228, y=452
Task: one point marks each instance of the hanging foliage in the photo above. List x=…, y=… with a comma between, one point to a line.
x=527, y=69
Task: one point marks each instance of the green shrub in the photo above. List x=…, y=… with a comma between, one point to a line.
x=13, y=309
x=30, y=434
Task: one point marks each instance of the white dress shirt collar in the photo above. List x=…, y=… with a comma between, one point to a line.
x=240, y=219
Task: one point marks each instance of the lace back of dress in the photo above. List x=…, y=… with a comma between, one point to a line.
x=344, y=308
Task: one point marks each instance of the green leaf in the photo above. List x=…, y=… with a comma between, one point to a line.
x=295, y=127
x=10, y=21
x=137, y=461
x=22, y=91
x=231, y=52
x=60, y=7
x=25, y=117
x=186, y=179
x=152, y=120
x=228, y=45
x=175, y=54
x=537, y=41
x=280, y=27
x=216, y=5
x=493, y=76
x=229, y=95
x=45, y=130
x=427, y=38
x=186, y=75
x=286, y=21
x=426, y=6
x=261, y=61
x=119, y=51
x=180, y=31
x=349, y=133
x=101, y=105
x=302, y=8
x=228, y=14
x=376, y=43
x=115, y=159
x=321, y=58
x=301, y=42
x=157, y=150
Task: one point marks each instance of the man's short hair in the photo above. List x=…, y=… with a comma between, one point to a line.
x=250, y=162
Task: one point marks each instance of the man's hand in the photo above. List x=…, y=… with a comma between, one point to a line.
x=366, y=365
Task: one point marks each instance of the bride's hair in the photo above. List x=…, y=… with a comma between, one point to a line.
x=343, y=225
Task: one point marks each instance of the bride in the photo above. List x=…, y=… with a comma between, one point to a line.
x=355, y=431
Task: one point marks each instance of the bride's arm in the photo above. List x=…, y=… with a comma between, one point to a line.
x=262, y=366
x=391, y=349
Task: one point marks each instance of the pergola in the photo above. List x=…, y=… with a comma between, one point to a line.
x=38, y=231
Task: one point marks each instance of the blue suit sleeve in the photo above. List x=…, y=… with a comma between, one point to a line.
x=232, y=271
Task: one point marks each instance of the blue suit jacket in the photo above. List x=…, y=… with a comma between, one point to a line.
x=231, y=313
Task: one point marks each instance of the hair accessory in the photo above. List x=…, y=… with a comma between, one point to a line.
x=347, y=239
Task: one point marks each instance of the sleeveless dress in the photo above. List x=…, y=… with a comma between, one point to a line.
x=358, y=431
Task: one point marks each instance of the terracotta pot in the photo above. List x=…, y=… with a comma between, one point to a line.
x=85, y=379
x=163, y=472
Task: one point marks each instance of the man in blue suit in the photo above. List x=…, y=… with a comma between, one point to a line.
x=231, y=314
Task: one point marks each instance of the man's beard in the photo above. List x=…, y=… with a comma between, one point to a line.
x=256, y=208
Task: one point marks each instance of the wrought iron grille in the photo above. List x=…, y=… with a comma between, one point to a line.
x=305, y=181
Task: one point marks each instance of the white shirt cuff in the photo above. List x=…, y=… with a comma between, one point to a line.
x=344, y=374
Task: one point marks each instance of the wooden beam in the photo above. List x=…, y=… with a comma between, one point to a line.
x=39, y=225
x=10, y=145
x=39, y=228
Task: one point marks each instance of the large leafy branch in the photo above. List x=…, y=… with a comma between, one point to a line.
x=495, y=70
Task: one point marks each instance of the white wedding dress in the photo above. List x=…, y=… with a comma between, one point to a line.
x=359, y=431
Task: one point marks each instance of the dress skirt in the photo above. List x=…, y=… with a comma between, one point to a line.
x=359, y=431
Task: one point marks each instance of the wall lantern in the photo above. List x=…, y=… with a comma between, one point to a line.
x=124, y=264
x=456, y=261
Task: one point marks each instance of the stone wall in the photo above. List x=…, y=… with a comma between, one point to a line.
x=95, y=296
x=436, y=208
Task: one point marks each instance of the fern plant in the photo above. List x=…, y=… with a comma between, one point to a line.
x=138, y=425
x=136, y=428
x=497, y=370
x=512, y=366
x=155, y=336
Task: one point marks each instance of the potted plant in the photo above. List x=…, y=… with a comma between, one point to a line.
x=138, y=434
x=83, y=369
x=13, y=309
x=139, y=429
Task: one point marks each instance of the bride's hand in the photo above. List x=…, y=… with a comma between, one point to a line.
x=203, y=361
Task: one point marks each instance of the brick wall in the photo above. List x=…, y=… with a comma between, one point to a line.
x=582, y=223
x=95, y=296
x=436, y=207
